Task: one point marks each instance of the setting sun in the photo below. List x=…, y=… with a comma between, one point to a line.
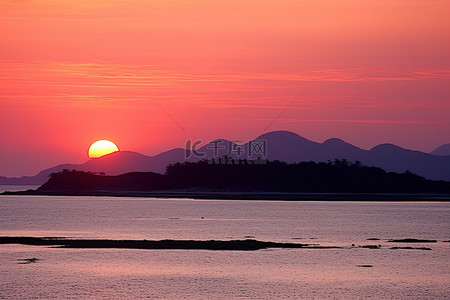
x=102, y=147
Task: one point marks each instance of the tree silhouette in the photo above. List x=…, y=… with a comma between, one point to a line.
x=244, y=175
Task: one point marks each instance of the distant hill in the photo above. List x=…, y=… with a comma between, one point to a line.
x=112, y=164
x=38, y=179
x=442, y=150
x=339, y=176
x=289, y=147
x=278, y=145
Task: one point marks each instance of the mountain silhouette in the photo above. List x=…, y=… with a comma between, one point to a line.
x=290, y=147
x=126, y=161
x=37, y=179
x=277, y=145
x=442, y=150
x=396, y=159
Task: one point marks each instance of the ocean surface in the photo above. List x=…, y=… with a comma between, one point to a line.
x=204, y=274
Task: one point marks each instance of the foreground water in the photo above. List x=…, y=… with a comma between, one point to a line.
x=201, y=274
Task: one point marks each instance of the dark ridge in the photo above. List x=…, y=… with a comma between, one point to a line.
x=245, y=176
x=372, y=239
x=411, y=240
x=411, y=248
x=365, y=266
x=242, y=245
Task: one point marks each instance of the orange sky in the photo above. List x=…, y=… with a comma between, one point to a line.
x=72, y=72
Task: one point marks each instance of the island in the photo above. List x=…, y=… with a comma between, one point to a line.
x=241, y=179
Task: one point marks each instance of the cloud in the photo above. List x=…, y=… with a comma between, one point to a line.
x=98, y=83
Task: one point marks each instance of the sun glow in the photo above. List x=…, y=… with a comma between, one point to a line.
x=102, y=147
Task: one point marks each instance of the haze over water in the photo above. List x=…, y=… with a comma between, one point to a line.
x=280, y=273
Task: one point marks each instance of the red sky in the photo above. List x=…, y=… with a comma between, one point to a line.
x=72, y=72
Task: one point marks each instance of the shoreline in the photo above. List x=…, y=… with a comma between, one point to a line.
x=225, y=195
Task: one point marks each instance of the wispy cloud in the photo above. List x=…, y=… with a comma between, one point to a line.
x=97, y=83
x=137, y=75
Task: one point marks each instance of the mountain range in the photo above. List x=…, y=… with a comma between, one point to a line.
x=278, y=145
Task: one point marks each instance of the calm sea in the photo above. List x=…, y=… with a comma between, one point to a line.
x=202, y=274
